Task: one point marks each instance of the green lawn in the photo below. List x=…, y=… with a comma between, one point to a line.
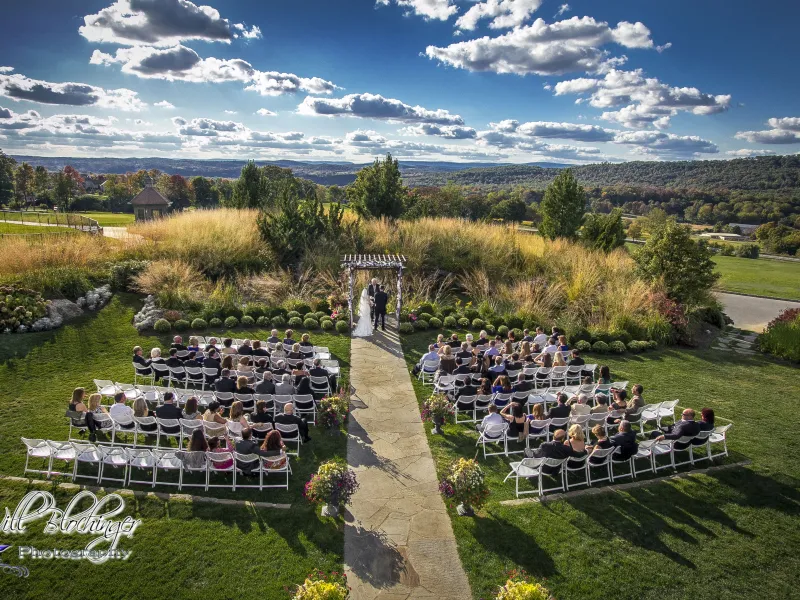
x=14, y=228
x=705, y=536
x=107, y=219
x=760, y=277
x=181, y=548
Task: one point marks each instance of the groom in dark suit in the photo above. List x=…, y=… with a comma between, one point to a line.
x=381, y=300
x=372, y=289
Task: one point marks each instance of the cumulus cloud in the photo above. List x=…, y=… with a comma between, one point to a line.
x=375, y=106
x=161, y=23
x=643, y=101
x=785, y=130
x=19, y=87
x=429, y=9
x=450, y=132
x=205, y=127
x=545, y=49
x=164, y=104
x=549, y=129
x=504, y=14
x=659, y=142
x=265, y=112
x=748, y=152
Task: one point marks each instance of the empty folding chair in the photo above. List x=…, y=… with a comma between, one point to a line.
x=512, y=374
x=650, y=414
x=571, y=390
x=145, y=427
x=558, y=376
x=86, y=454
x=534, y=399
x=494, y=433
x=573, y=375
x=177, y=376
x=619, y=385
x=220, y=462
x=588, y=389
x=290, y=434
x=195, y=376
x=211, y=374
x=168, y=428
x=616, y=459
x=599, y=459
x=77, y=420
x=188, y=427
x=644, y=452
x=482, y=402
x=556, y=424
x=131, y=391
x=106, y=388
x=538, y=468
x=590, y=370
x=527, y=468
x=151, y=394
x=161, y=371
x=166, y=460
x=142, y=459
x=530, y=373
x=113, y=457
x=667, y=411
x=542, y=379
x=304, y=404
x=445, y=384
x=683, y=445
x=235, y=430
x=662, y=448
x=37, y=449
x=123, y=426
x=576, y=465
x=719, y=435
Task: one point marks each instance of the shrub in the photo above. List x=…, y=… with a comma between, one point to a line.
x=277, y=311
x=172, y=315
x=471, y=314
x=182, y=325
x=637, y=346
x=311, y=324
x=747, y=250
x=292, y=314
x=583, y=346
x=490, y=329
x=517, y=333
x=426, y=316
x=20, y=308
x=406, y=328
x=176, y=284
x=478, y=324
x=514, y=322
x=782, y=336
x=502, y=331
x=520, y=588
x=318, y=586
x=425, y=307
x=621, y=335
x=450, y=322
x=600, y=347
x=578, y=334
x=298, y=306
x=498, y=321
x=420, y=325
x=599, y=335
x=263, y=321
x=435, y=323
x=231, y=322
x=255, y=310
x=333, y=483
x=322, y=306
x=123, y=273
x=295, y=322
x=248, y=321
x=327, y=324
x=342, y=326
x=278, y=321
x=321, y=314
x=162, y=326
x=652, y=345
x=617, y=347
x=310, y=315
x=199, y=324
x=464, y=483
x=447, y=310
x=463, y=322
x=215, y=322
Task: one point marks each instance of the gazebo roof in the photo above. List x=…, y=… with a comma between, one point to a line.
x=150, y=196
x=374, y=261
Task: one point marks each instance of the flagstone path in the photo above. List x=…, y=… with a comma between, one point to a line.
x=734, y=340
x=398, y=541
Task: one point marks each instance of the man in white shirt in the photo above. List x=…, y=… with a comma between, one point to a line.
x=120, y=411
x=432, y=355
x=493, y=418
x=540, y=338
x=580, y=406
x=551, y=347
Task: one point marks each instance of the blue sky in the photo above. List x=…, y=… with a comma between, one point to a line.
x=457, y=80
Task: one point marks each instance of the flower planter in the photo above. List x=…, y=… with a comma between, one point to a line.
x=437, y=426
x=330, y=510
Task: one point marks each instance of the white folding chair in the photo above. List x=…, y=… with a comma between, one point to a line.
x=576, y=464
x=465, y=405
x=494, y=433
x=144, y=373
x=143, y=460
x=445, y=384
x=145, y=426
x=168, y=428
x=220, y=462
x=616, y=460
x=192, y=463
x=86, y=453
x=131, y=391
x=115, y=458
x=123, y=425
x=644, y=452
x=304, y=404
x=105, y=387
x=188, y=427
x=719, y=435
x=320, y=385
x=290, y=434
x=275, y=466
x=38, y=449
x=600, y=458
x=427, y=371
x=538, y=430
x=667, y=411
x=165, y=459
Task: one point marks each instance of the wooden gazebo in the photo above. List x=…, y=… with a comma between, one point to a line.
x=370, y=262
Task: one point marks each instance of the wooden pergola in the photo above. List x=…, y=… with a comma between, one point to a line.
x=370, y=262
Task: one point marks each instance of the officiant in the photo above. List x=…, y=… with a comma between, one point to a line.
x=372, y=289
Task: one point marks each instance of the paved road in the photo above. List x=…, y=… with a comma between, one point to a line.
x=752, y=313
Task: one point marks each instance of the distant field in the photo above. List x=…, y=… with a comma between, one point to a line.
x=105, y=219
x=760, y=277
x=14, y=228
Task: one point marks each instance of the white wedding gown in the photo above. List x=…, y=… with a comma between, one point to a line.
x=364, y=327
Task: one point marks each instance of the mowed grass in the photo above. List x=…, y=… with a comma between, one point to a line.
x=15, y=228
x=106, y=219
x=759, y=277
x=704, y=536
x=182, y=549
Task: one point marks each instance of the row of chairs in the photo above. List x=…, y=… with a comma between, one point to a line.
x=696, y=449
x=109, y=460
x=541, y=377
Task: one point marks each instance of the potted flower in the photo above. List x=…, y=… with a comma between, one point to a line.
x=437, y=409
x=319, y=586
x=465, y=484
x=333, y=411
x=333, y=485
x=520, y=587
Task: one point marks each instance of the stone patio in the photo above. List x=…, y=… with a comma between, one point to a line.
x=398, y=540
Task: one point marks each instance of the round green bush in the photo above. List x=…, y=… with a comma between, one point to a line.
x=295, y=322
x=425, y=307
x=600, y=347
x=311, y=315
x=652, y=345
x=478, y=324
x=327, y=324
x=404, y=315
x=322, y=306
x=514, y=322
x=435, y=323
x=617, y=347
x=457, y=316
x=215, y=322
x=276, y=311
x=450, y=322
x=463, y=322
x=297, y=306
x=248, y=321
x=425, y=316
x=231, y=322
x=162, y=326
x=311, y=324
x=636, y=346
x=447, y=310
x=600, y=335
x=292, y=314
x=342, y=326
x=199, y=324
x=502, y=331
x=420, y=325
x=577, y=335
x=621, y=335
x=278, y=321
x=471, y=313
x=263, y=321
x=406, y=328
x=490, y=329
x=321, y=314
x=182, y=325
x=517, y=333
x=583, y=346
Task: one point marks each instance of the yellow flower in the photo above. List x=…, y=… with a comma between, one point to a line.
x=321, y=590
x=522, y=590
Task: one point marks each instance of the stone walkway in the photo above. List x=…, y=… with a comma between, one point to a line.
x=398, y=541
x=734, y=340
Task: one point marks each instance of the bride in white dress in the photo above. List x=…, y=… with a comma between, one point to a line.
x=364, y=327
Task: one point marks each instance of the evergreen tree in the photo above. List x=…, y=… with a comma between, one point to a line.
x=248, y=189
x=24, y=182
x=562, y=207
x=6, y=178
x=205, y=194
x=378, y=190
x=604, y=232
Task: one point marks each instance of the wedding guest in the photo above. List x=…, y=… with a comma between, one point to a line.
x=288, y=340
x=227, y=363
x=227, y=347
x=492, y=418
x=502, y=385
x=285, y=387
x=558, y=360
x=447, y=362
x=244, y=365
x=540, y=338
x=237, y=414
x=225, y=384
x=258, y=350
x=143, y=365
x=273, y=445
x=517, y=421
x=216, y=446
x=266, y=385
x=213, y=413
x=177, y=343
x=439, y=344
x=76, y=403
x=245, y=349
x=605, y=375
x=707, y=419
x=261, y=415
x=194, y=345
x=289, y=418
x=190, y=410
x=273, y=337
x=242, y=386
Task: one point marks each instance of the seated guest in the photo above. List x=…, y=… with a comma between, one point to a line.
x=552, y=346
x=491, y=418
x=300, y=380
x=432, y=355
x=225, y=384
x=273, y=446
x=576, y=441
x=463, y=368
x=502, y=385
x=525, y=351
x=636, y=402
x=195, y=455
x=576, y=359
x=465, y=352
x=194, y=345
x=526, y=336
x=262, y=366
x=580, y=407
x=227, y=362
x=470, y=389
x=266, y=385
x=245, y=349
x=306, y=347
x=258, y=350
x=317, y=370
x=540, y=338
x=142, y=364
x=517, y=420
x=237, y=414
x=555, y=332
x=508, y=347
x=191, y=361
x=707, y=419
x=558, y=360
x=285, y=387
x=289, y=418
x=212, y=343
x=244, y=365
x=453, y=342
x=485, y=388
x=242, y=386
x=625, y=440
x=545, y=359
x=140, y=409
x=220, y=445
x=600, y=404
x=169, y=410
x=513, y=363
x=557, y=448
x=562, y=343
x=498, y=368
x=602, y=443
x=227, y=347
x=482, y=339
x=211, y=361
x=620, y=401
x=190, y=410
x=119, y=410
x=523, y=385
x=177, y=343
x=155, y=357
x=492, y=350
x=279, y=351
x=281, y=370
x=686, y=427
x=447, y=362
x=439, y=343
x=214, y=412
x=262, y=415
x=273, y=337
x=245, y=446
x=560, y=410
x=537, y=414
x=605, y=376
x=295, y=353
x=287, y=340
x=470, y=342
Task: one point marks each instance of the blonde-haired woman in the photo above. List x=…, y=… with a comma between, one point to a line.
x=576, y=440
x=140, y=408
x=94, y=404
x=558, y=360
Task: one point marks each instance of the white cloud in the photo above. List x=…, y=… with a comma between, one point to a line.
x=562, y=10
x=273, y=83
x=164, y=104
x=161, y=23
x=545, y=49
x=375, y=106
x=450, y=132
x=429, y=9
x=229, y=112
x=6, y=69
x=264, y=112
x=658, y=142
x=663, y=47
x=504, y=14
x=19, y=87
x=785, y=130
x=549, y=129
x=748, y=152
x=785, y=123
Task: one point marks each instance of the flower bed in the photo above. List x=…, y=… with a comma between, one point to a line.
x=319, y=586
x=334, y=410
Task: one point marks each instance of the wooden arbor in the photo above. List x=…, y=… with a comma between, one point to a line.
x=368, y=262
